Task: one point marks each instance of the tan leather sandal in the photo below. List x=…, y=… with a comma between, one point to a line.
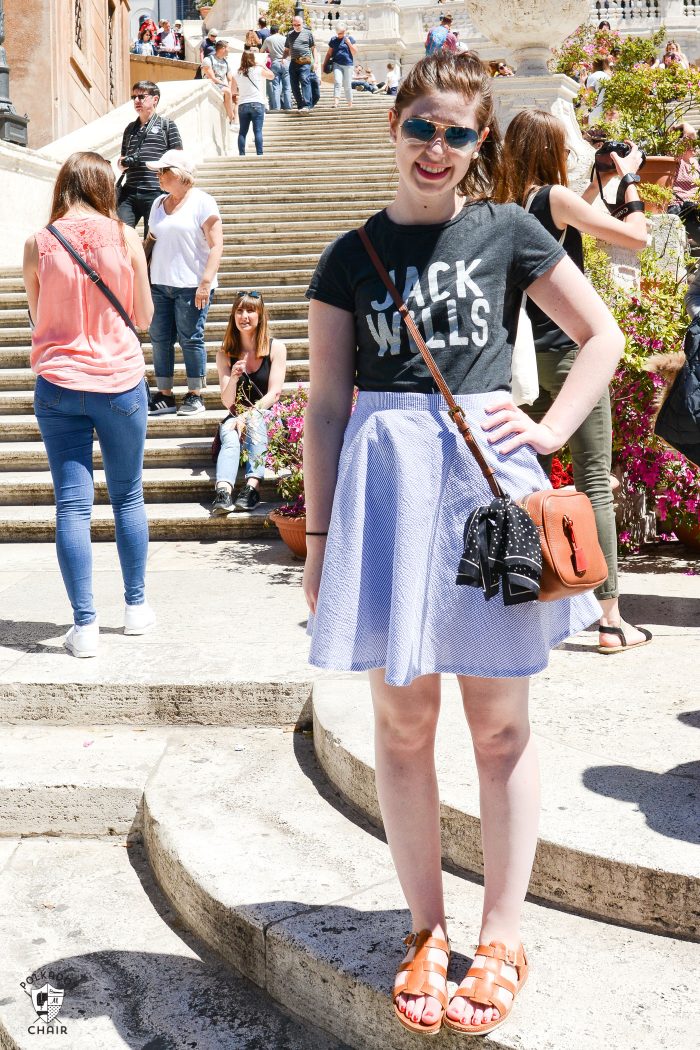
x=414, y=978
x=483, y=985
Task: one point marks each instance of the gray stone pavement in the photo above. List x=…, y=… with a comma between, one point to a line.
x=232, y=612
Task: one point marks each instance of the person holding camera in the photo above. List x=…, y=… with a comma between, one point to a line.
x=535, y=176
x=145, y=140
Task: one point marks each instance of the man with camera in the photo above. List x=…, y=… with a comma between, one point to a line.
x=145, y=139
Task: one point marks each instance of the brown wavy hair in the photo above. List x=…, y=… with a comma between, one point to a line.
x=247, y=62
x=232, y=338
x=466, y=74
x=84, y=178
x=534, y=154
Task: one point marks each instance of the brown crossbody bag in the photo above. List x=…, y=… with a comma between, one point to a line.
x=572, y=560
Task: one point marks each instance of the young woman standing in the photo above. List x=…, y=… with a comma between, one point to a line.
x=389, y=488
x=89, y=367
x=534, y=169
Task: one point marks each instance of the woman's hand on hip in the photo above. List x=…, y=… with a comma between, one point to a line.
x=507, y=421
x=201, y=296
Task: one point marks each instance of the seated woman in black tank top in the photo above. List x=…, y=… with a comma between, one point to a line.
x=251, y=368
x=535, y=156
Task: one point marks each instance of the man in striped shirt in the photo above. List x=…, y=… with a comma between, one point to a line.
x=145, y=139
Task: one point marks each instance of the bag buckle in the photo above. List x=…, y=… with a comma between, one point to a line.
x=457, y=410
x=94, y=276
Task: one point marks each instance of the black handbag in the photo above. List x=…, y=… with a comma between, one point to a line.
x=678, y=421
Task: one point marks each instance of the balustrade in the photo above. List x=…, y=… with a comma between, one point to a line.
x=323, y=17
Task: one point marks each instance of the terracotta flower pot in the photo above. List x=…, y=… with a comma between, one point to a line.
x=689, y=536
x=659, y=170
x=292, y=531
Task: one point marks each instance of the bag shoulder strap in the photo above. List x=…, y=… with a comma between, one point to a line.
x=455, y=411
x=94, y=277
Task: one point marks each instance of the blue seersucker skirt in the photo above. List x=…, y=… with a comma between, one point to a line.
x=388, y=598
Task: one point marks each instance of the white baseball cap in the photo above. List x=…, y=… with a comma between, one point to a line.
x=173, y=158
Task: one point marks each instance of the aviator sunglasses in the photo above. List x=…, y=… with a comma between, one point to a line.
x=418, y=129
x=250, y=295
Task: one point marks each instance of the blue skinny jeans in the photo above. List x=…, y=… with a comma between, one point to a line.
x=67, y=420
x=177, y=319
x=251, y=113
x=254, y=446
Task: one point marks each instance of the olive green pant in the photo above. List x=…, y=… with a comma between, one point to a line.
x=591, y=455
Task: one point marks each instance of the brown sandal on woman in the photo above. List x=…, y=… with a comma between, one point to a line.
x=483, y=985
x=414, y=977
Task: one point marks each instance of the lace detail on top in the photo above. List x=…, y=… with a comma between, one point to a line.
x=86, y=234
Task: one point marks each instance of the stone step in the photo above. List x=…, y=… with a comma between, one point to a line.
x=290, y=329
x=640, y=861
x=16, y=299
x=166, y=521
x=227, y=278
x=329, y=932
x=221, y=676
x=168, y=450
x=15, y=383
x=17, y=356
x=285, y=309
x=257, y=168
x=189, y=482
x=139, y=981
x=26, y=428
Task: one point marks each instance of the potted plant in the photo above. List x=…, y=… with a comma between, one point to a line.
x=656, y=197
x=653, y=321
x=204, y=7
x=579, y=51
x=647, y=105
x=284, y=456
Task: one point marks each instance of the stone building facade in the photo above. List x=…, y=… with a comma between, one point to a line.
x=69, y=62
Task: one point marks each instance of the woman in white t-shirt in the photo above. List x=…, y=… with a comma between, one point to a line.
x=251, y=99
x=187, y=240
x=596, y=81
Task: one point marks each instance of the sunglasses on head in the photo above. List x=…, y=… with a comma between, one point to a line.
x=249, y=295
x=418, y=129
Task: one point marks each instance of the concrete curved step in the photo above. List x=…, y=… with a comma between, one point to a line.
x=618, y=834
x=259, y=857
x=89, y=912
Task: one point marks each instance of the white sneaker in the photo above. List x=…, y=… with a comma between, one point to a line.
x=83, y=641
x=138, y=619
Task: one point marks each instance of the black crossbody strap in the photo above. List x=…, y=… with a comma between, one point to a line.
x=94, y=277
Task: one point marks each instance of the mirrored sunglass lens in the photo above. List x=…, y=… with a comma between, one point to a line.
x=460, y=137
x=418, y=128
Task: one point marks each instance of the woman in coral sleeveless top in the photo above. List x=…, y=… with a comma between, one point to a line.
x=90, y=368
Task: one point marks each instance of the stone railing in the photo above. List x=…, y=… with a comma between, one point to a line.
x=323, y=18
x=631, y=12
x=430, y=16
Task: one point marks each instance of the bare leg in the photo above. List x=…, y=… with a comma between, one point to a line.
x=612, y=617
x=405, y=723
x=506, y=758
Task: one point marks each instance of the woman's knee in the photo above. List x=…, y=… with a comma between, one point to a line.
x=499, y=742
x=405, y=721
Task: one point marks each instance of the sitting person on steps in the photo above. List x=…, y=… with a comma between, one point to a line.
x=251, y=368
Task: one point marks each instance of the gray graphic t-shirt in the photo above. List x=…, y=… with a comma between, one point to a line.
x=462, y=280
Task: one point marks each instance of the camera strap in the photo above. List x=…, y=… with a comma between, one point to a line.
x=620, y=209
